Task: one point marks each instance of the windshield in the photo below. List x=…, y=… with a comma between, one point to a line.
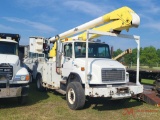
x=8, y=48
x=95, y=50
x=36, y=55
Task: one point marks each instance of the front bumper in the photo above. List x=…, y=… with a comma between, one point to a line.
x=14, y=91
x=118, y=92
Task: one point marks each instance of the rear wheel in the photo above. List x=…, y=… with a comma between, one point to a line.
x=39, y=83
x=75, y=96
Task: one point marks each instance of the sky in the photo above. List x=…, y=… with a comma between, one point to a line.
x=48, y=18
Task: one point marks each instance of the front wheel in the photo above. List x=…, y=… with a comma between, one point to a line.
x=75, y=96
x=31, y=78
x=22, y=100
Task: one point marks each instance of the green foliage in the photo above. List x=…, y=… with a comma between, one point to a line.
x=117, y=52
x=131, y=58
x=158, y=53
x=148, y=56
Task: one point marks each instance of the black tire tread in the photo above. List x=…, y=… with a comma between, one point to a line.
x=22, y=100
x=80, y=96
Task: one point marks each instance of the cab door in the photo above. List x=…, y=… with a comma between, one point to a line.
x=67, y=59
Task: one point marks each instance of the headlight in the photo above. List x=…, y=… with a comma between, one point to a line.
x=22, y=77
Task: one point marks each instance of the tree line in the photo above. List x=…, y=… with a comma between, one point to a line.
x=148, y=56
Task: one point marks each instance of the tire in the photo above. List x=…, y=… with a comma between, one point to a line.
x=22, y=100
x=31, y=78
x=39, y=83
x=75, y=96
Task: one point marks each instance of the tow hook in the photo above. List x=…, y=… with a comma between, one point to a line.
x=132, y=93
x=111, y=93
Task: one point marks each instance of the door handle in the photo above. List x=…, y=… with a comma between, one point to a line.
x=76, y=65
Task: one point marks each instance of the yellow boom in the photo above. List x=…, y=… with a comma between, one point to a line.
x=121, y=19
x=128, y=51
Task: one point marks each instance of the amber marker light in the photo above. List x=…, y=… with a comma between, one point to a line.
x=82, y=69
x=27, y=77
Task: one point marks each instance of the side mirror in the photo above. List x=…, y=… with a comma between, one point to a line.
x=112, y=52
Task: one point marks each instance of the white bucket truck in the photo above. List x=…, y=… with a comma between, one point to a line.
x=79, y=67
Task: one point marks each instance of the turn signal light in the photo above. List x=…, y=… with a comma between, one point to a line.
x=82, y=69
x=27, y=77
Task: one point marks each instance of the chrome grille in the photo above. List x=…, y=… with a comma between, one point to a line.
x=109, y=75
x=6, y=71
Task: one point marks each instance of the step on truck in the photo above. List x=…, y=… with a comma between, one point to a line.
x=13, y=77
x=78, y=65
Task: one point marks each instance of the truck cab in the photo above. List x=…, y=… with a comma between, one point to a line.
x=13, y=77
x=101, y=68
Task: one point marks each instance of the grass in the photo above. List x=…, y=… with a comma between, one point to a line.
x=52, y=106
x=146, y=68
x=147, y=81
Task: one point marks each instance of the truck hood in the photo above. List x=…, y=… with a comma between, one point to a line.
x=12, y=59
x=95, y=67
x=99, y=62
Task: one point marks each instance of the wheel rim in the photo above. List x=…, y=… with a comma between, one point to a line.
x=71, y=96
